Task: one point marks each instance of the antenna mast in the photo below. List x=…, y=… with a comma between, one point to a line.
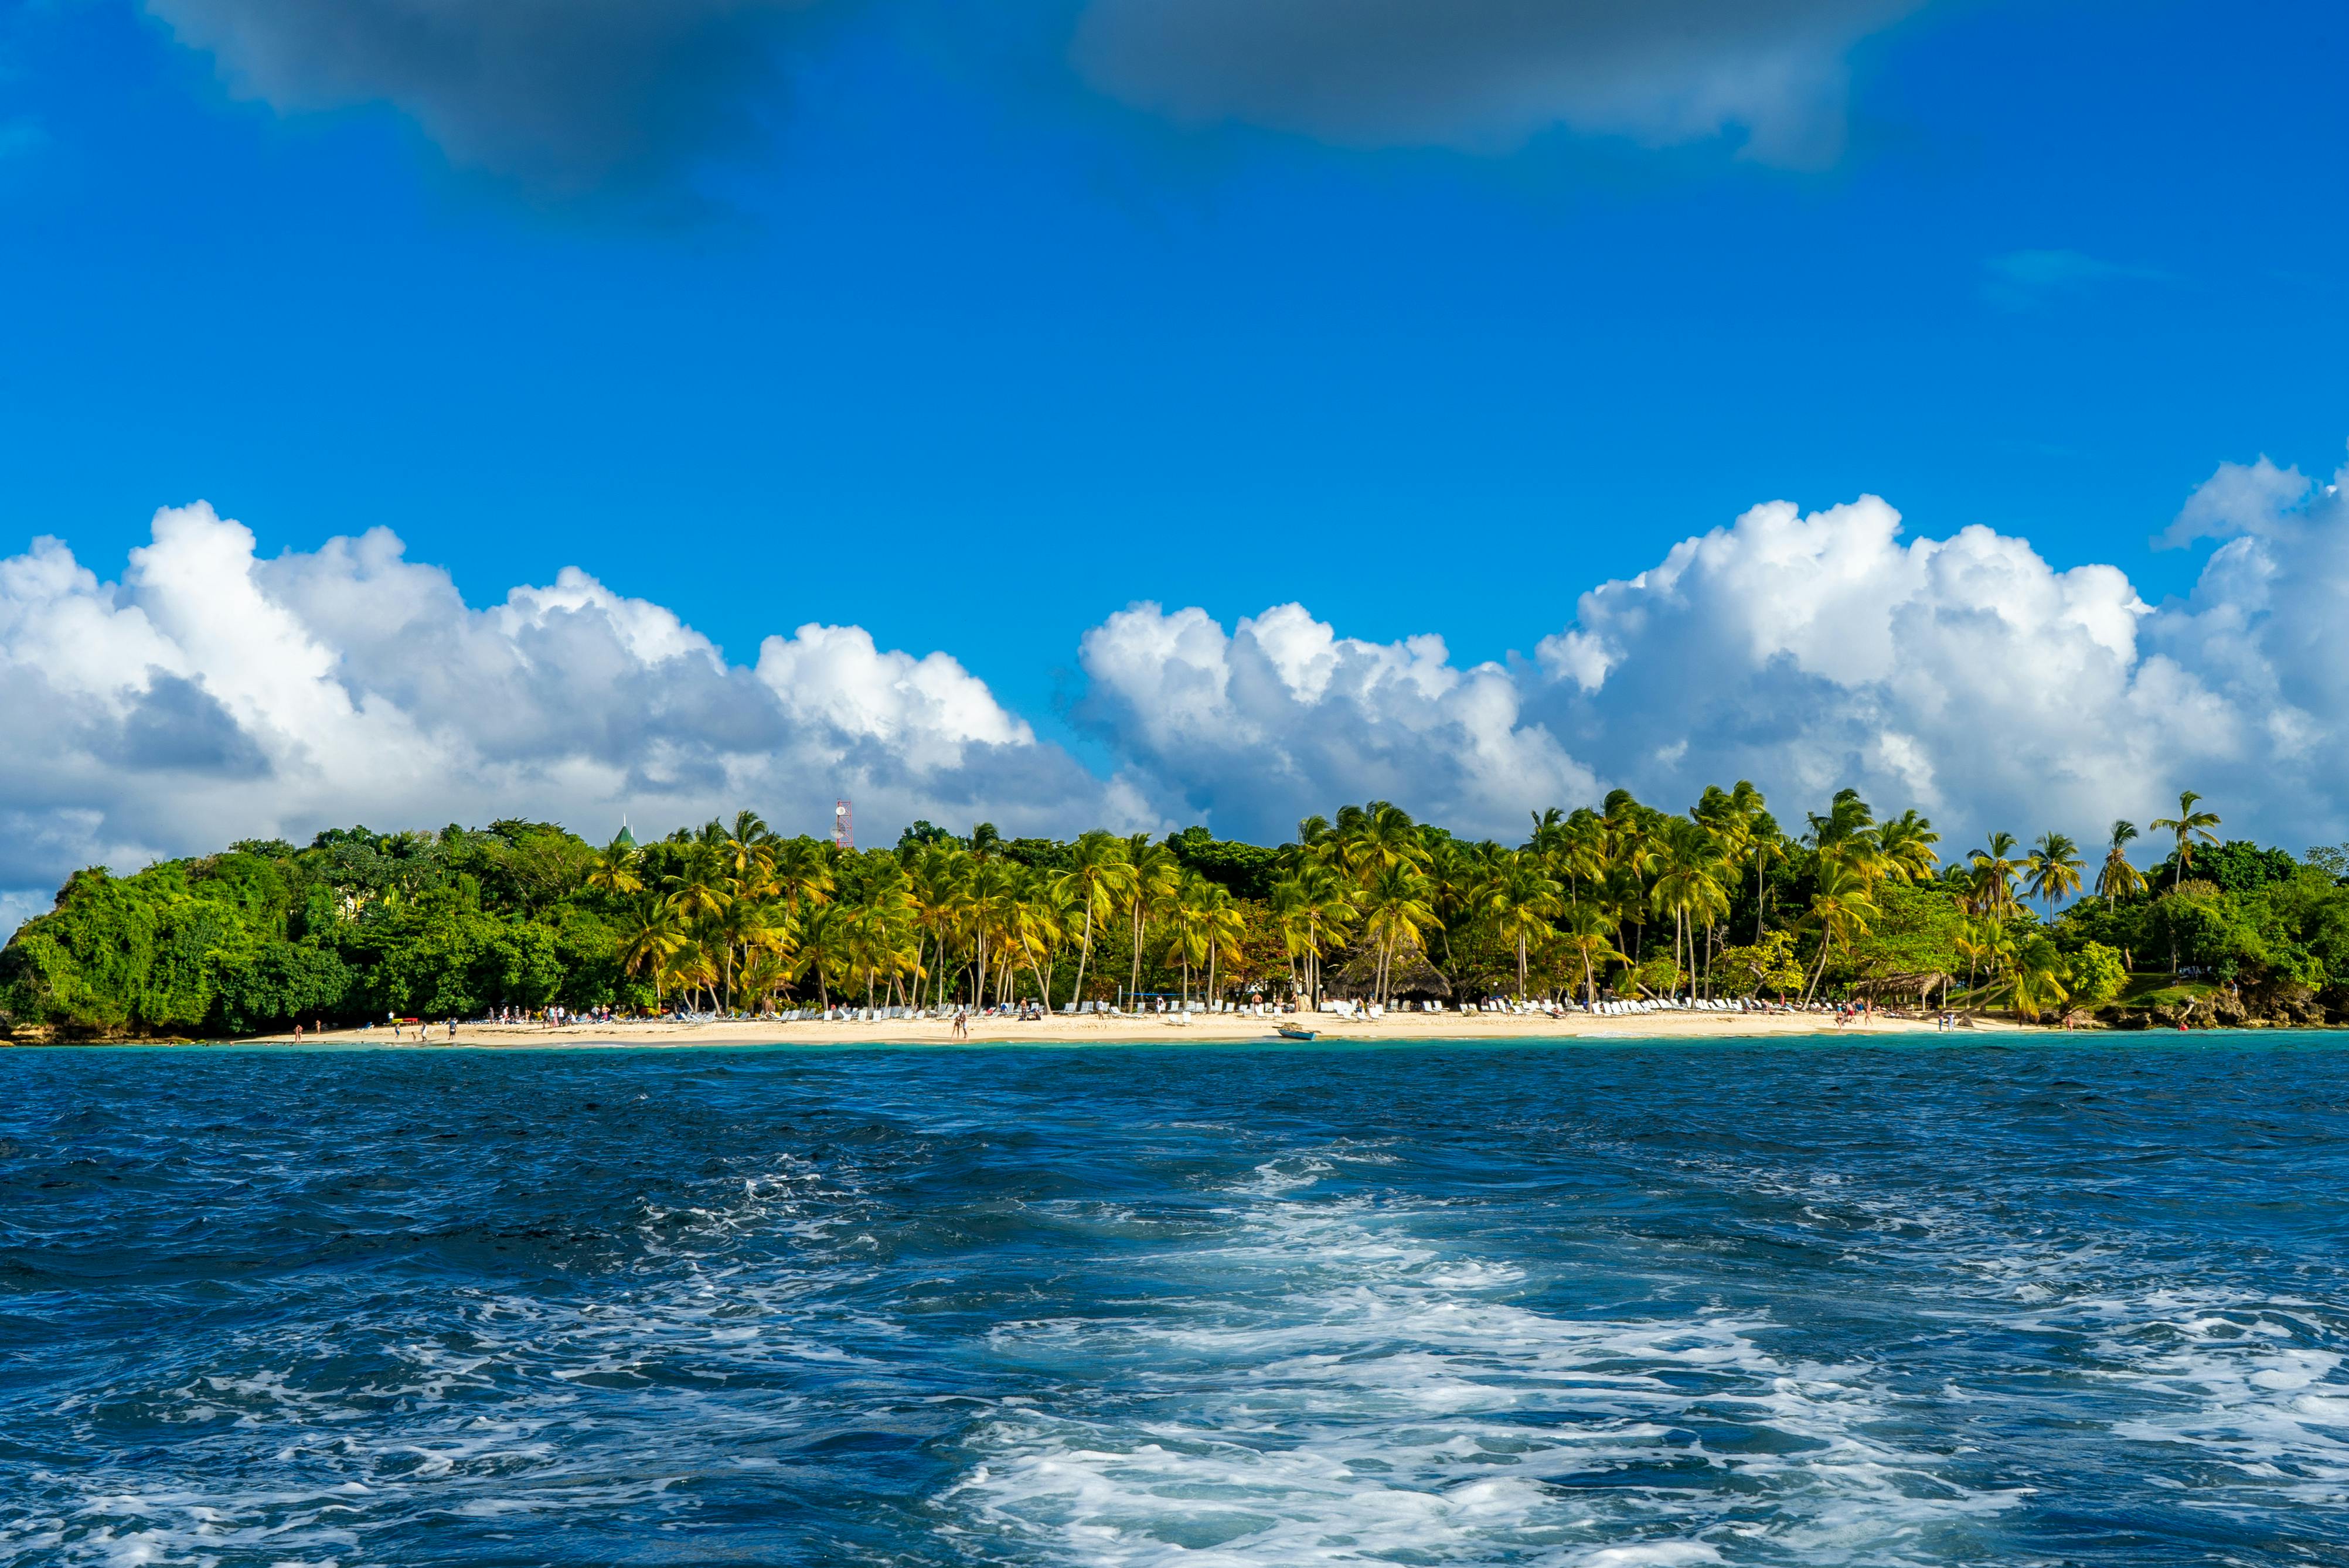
x=844, y=826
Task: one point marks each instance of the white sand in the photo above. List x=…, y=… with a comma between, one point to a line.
x=1162, y=1030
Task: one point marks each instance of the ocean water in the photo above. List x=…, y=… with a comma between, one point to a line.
x=1809, y=1302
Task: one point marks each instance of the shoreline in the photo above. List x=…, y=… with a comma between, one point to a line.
x=1144, y=1030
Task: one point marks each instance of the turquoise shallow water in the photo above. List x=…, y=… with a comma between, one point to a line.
x=1739, y=1303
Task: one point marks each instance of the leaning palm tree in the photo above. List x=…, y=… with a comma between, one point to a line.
x=1292, y=921
x=2189, y=825
x=1840, y=909
x=2118, y=879
x=2055, y=866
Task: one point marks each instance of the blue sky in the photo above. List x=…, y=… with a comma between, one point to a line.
x=927, y=333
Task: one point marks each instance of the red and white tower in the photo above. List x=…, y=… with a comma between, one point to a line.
x=844, y=826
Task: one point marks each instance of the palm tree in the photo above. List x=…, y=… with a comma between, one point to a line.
x=801, y=869
x=745, y=929
x=1395, y=911
x=1686, y=884
x=1101, y=875
x=1190, y=917
x=1991, y=886
x=828, y=946
x=1376, y=837
x=2033, y=976
x=1579, y=852
x=750, y=849
x=1978, y=938
x=2118, y=877
x=1157, y=877
x=1037, y=930
x=1584, y=935
x=615, y=871
x=1907, y=842
x=1455, y=872
x=765, y=976
x=2189, y=825
x=1523, y=900
x=2055, y=868
x=1840, y=909
x=1222, y=929
x=937, y=896
x=1847, y=819
x=1765, y=846
x=699, y=889
x=648, y=940
x=1315, y=907
x=994, y=898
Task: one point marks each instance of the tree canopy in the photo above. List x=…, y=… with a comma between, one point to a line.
x=730, y=916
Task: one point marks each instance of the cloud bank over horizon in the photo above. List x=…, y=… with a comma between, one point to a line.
x=214, y=694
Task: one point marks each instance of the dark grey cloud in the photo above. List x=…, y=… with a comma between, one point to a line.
x=177, y=726
x=563, y=96
x=1488, y=74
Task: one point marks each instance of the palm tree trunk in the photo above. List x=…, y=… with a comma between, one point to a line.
x=1085, y=950
x=1820, y=974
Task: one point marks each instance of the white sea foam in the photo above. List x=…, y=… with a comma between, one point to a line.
x=2244, y=1390
x=477, y=1405
x=1339, y=1387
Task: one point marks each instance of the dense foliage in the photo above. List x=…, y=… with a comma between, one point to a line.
x=1623, y=897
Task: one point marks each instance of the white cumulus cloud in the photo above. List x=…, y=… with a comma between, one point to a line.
x=1967, y=675
x=212, y=695
x=1282, y=716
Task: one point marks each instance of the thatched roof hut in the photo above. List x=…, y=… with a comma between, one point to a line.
x=1921, y=984
x=1411, y=974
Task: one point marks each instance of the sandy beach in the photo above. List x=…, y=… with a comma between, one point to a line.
x=1152, y=1030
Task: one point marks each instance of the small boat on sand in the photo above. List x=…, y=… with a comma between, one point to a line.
x=1291, y=1032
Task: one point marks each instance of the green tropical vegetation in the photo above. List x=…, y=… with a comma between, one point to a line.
x=1622, y=899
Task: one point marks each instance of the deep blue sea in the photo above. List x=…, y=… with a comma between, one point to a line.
x=1752, y=1302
